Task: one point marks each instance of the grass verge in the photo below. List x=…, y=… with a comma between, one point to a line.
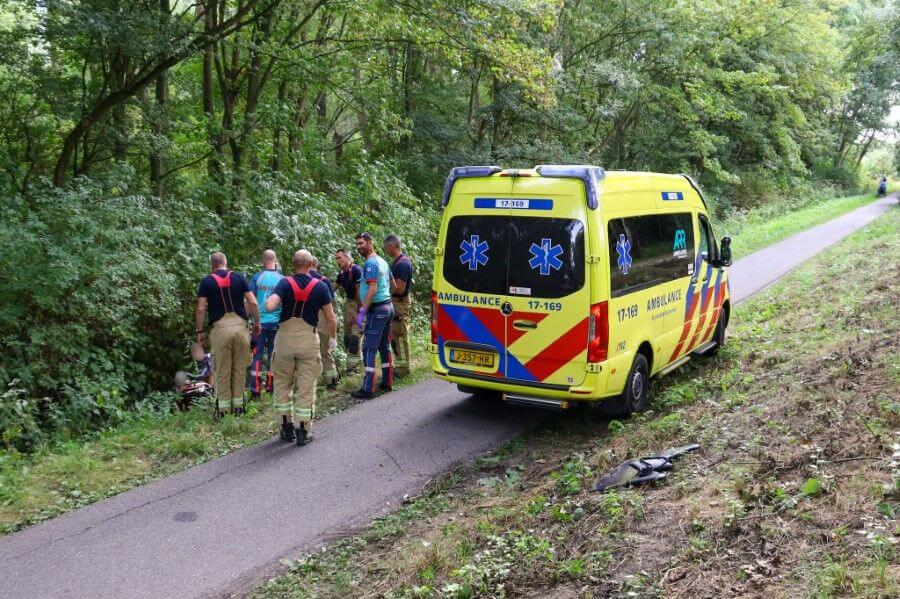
x=795, y=492
x=759, y=228
x=68, y=475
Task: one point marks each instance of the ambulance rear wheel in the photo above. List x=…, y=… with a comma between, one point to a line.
x=634, y=396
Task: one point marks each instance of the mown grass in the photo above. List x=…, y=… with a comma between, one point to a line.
x=759, y=228
x=72, y=474
x=794, y=492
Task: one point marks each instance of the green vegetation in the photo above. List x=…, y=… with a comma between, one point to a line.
x=139, y=136
x=809, y=509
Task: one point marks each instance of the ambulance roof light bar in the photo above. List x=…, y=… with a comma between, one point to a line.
x=591, y=175
x=696, y=187
x=460, y=172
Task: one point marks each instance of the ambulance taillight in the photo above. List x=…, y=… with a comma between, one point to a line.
x=598, y=332
x=434, y=329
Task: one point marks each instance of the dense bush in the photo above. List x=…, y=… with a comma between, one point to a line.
x=98, y=282
x=92, y=300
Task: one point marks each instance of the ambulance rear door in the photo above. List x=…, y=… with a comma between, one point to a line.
x=547, y=300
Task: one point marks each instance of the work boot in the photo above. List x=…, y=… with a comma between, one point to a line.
x=303, y=436
x=287, y=429
x=385, y=388
x=332, y=383
x=254, y=397
x=362, y=394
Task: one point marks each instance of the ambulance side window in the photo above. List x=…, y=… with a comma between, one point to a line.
x=649, y=250
x=707, y=239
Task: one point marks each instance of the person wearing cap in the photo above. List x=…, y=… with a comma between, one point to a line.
x=375, y=294
x=348, y=281
x=329, y=368
x=225, y=296
x=297, y=361
x=401, y=283
x=261, y=285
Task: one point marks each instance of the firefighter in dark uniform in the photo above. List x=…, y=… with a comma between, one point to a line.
x=223, y=294
x=297, y=361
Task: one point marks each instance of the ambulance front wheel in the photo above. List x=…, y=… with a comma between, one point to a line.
x=719, y=335
x=634, y=396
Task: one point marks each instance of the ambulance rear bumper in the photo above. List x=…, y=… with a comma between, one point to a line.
x=591, y=388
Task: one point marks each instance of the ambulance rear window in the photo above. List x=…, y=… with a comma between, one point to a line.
x=475, y=254
x=535, y=257
x=546, y=256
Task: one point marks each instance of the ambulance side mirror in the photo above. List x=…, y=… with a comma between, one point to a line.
x=725, y=252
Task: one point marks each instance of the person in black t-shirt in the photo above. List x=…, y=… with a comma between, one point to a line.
x=348, y=280
x=329, y=368
x=401, y=282
x=297, y=362
x=223, y=295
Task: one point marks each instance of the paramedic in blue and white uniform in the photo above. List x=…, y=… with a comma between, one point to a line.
x=375, y=296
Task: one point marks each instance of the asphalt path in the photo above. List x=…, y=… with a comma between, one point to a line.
x=219, y=527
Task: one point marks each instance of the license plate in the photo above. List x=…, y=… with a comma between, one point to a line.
x=472, y=358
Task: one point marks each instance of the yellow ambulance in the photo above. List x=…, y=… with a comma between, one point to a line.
x=568, y=283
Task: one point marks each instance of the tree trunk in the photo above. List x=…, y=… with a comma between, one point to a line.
x=209, y=107
x=276, y=132
x=158, y=123
x=865, y=148
x=143, y=77
x=255, y=83
x=496, y=116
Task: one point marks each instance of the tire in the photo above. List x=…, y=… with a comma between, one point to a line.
x=719, y=334
x=634, y=396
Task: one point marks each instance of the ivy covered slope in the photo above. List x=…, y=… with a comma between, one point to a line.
x=135, y=138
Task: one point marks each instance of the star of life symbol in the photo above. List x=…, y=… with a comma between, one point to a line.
x=474, y=252
x=623, y=248
x=546, y=256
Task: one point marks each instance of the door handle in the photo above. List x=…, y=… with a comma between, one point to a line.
x=693, y=280
x=524, y=324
